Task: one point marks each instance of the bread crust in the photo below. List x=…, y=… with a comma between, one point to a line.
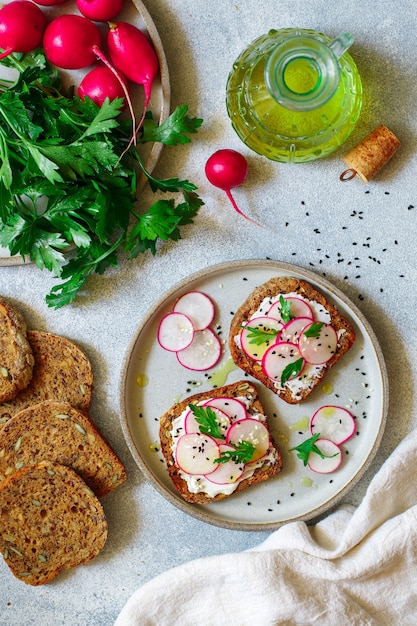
x=16, y=357
x=234, y=390
x=270, y=289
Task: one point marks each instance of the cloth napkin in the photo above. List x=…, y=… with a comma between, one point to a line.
x=358, y=566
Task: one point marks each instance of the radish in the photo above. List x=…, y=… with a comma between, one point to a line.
x=198, y=307
x=227, y=169
x=22, y=25
x=49, y=3
x=203, y=352
x=100, y=10
x=334, y=423
x=292, y=330
x=226, y=473
x=328, y=461
x=282, y=362
x=234, y=408
x=133, y=54
x=196, y=453
x=258, y=335
x=70, y=42
x=101, y=83
x=318, y=343
x=252, y=431
x=175, y=332
x=298, y=308
x=192, y=426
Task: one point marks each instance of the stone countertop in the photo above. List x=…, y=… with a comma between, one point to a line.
x=361, y=237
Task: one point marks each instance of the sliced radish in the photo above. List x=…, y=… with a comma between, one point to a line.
x=226, y=473
x=203, y=352
x=192, y=426
x=264, y=324
x=331, y=461
x=234, y=408
x=195, y=453
x=334, y=423
x=175, y=332
x=198, y=307
x=321, y=348
x=254, y=432
x=278, y=357
x=291, y=332
x=298, y=308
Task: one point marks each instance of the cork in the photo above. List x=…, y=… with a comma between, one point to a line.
x=371, y=154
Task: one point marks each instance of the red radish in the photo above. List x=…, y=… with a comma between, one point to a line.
x=195, y=453
x=175, y=332
x=192, y=426
x=227, y=169
x=70, y=42
x=100, y=10
x=331, y=459
x=22, y=25
x=133, y=54
x=318, y=348
x=226, y=473
x=292, y=330
x=101, y=83
x=334, y=423
x=234, y=408
x=203, y=352
x=198, y=307
x=298, y=308
x=280, y=356
x=254, y=432
x=267, y=325
x=49, y=3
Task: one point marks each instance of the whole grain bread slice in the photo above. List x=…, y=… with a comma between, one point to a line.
x=49, y=521
x=264, y=294
x=244, y=390
x=62, y=372
x=16, y=357
x=57, y=432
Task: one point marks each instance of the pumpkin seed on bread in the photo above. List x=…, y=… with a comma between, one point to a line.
x=57, y=432
x=16, y=357
x=50, y=520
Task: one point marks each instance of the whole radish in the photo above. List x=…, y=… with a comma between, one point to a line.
x=99, y=84
x=70, y=40
x=100, y=10
x=133, y=54
x=49, y=3
x=227, y=169
x=22, y=25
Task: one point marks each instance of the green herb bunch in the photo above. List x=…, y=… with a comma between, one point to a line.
x=67, y=181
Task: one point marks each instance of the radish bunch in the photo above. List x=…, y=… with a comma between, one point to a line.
x=186, y=331
x=200, y=454
x=330, y=427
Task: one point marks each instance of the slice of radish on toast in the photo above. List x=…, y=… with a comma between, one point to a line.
x=196, y=453
x=258, y=335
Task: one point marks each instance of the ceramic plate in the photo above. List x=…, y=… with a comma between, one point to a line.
x=153, y=380
x=136, y=13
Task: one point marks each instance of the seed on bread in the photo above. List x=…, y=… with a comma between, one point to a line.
x=16, y=357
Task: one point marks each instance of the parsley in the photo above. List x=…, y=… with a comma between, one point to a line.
x=206, y=420
x=243, y=453
x=291, y=370
x=258, y=336
x=67, y=183
x=313, y=331
x=285, y=309
x=307, y=447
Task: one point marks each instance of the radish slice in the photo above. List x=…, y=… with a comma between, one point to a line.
x=298, y=308
x=254, y=432
x=334, y=423
x=280, y=356
x=202, y=353
x=319, y=349
x=250, y=347
x=195, y=453
x=198, y=307
x=226, y=473
x=291, y=332
x=234, y=408
x=192, y=426
x=175, y=332
x=332, y=460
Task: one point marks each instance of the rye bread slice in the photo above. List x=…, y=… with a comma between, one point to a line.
x=56, y=432
x=49, y=521
x=16, y=357
x=270, y=289
x=241, y=389
x=62, y=372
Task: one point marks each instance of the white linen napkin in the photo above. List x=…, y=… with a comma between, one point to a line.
x=358, y=566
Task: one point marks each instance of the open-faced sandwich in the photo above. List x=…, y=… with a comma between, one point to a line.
x=287, y=335
x=217, y=443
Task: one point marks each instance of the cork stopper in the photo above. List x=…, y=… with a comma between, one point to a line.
x=371, y=154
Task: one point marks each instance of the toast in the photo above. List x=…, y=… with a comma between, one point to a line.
x=299, y=385
x=61, y=372
x=56, y=432
x=49, y=521
x=239, y=475
x=16, y=357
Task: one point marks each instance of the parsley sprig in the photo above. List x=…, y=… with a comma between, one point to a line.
x=242, y=453
x=259, y=336
x=65, y=186
x=308, y=446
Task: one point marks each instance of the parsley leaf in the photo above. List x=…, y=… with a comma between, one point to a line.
x=243, y=453
x=285, y=309
x=206, y=420
x=258, y=336
x=313, y=331
x=291, y=370
x=307, y=447
x=173, y=130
